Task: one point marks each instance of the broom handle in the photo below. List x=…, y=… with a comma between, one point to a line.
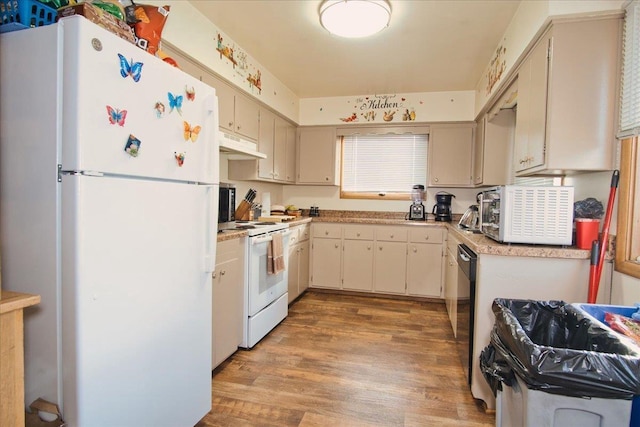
x=607, y=222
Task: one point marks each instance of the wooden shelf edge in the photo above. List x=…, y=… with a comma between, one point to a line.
x=11, y=301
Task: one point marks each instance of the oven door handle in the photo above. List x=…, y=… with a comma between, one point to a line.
x=258, y=240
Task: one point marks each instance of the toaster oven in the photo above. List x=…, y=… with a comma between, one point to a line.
x=528, y=214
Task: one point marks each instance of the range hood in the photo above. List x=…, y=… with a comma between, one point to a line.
x=238, y=148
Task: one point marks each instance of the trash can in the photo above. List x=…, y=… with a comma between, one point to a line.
x=597, y=312
x=553, y=348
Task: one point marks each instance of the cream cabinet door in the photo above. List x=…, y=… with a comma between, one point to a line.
x=478, y=151
x=303, y=267
x=266, y=144
x=247, y=117
x=317, y=156
x=357, y=262
x=450, y=155
x=290, y=154
x=227, y=307
x=390, y=266
x=424, y=269
x=451, y=289
x=326, y=256
x=280, y=149
x=226, y=105
x=532, y=108
x=294, y=272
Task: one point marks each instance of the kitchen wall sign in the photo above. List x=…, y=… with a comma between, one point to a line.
x=381, y=108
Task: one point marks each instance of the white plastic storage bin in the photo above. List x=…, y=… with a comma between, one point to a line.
x=519, y=406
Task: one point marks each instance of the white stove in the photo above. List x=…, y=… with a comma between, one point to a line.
x=255, y=228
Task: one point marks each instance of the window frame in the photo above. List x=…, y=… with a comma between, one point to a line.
x=628, y=211
x=364, y=195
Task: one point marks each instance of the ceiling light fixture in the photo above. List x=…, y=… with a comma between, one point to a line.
x=355, y=18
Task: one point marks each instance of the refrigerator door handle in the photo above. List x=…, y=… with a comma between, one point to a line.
x=210, y=243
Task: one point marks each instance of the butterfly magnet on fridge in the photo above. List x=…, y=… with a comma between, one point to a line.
x=191, y=133
x=116, y=115
x=133, y=69
x=179, y=158
x=191, y=93
x=175, y=102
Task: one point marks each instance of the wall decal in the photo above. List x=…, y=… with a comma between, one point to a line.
x=496, y=68
x=247, y=73
x=381, y=108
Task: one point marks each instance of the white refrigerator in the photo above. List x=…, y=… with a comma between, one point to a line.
x=108, y=210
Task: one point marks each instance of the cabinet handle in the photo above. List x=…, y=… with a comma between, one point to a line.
x=239, y=127
x=415, y=249
x=358, y=234
x=391, y=236
x=230, y=124
x=326, y=233
x=222, y=273
x=435, y=179
x=380, y=248
x=369, y=247
x=426, y=237
x=213, y=275
x=336, y=246
x=326, y=178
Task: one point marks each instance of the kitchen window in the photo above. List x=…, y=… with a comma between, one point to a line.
x=383, y=166
x=627, y=258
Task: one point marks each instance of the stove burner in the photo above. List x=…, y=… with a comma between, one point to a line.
x=245, y=227
x=265, y=223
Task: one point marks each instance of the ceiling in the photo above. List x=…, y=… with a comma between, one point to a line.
x=429, y=46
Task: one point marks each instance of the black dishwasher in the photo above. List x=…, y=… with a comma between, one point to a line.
x=467, y=260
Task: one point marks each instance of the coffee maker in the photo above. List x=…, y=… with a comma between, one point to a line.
x=416, y=211
x=442, y=208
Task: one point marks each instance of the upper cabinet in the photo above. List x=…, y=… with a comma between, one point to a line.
x=567, y=96
x=237, y=113
x=450, y=155
x=318, y=162
x=492, y=149
x=276, y=140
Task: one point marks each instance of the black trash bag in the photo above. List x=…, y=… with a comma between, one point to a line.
x=495, y=369
x=553, y=347
x=588, y=208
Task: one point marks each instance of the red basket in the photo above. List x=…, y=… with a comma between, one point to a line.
x=20, y=14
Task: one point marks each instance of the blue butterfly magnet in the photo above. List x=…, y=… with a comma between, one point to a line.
x=175, y=102
x=133, y=69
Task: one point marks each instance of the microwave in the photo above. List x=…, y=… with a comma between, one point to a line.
x=528, y=214
x=227, y=203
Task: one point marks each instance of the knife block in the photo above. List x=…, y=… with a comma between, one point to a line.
x=242, y=212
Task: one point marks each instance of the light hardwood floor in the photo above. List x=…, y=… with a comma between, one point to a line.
x=343, y=360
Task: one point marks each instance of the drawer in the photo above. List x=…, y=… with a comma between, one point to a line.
x=327, y=230
x=426, y=235
x=294, y=237
x=391, y=234
x=304, y=232
x=356, y=232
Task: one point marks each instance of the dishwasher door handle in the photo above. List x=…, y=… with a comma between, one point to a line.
x=463, y=256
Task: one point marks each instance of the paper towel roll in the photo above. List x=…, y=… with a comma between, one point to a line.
x=266, y=204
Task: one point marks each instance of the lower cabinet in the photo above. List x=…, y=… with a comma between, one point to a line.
x=298, y=261
x=425, y=262
x=326, y=256
x=404, y=260
x=228, y=291
x=390, y=267
x=451, y=283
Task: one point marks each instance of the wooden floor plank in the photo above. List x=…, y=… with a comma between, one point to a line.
x=348, y=360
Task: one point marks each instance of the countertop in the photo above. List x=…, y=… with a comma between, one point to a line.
x=477, y=242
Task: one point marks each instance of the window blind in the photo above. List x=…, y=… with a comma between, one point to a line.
x=630, y=102
x=384, y=163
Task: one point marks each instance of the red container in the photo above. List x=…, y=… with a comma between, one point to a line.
x=586, y=232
